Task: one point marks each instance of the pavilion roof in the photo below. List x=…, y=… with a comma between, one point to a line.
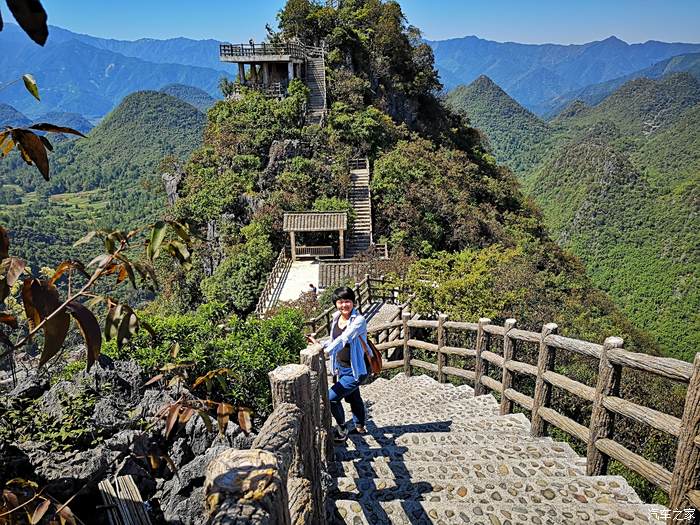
x=315, y=221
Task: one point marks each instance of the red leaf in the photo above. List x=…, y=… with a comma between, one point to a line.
x=223, y=413
x=154, y=379
x=89, y=328
x=244, y=420
x=40, y=511
x=9, y=320
x=172, y=419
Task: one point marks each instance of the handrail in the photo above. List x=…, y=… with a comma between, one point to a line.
x=292, y=49
x=682, y=484
x=277, y=269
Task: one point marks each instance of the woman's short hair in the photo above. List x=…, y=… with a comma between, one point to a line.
x=343, y=293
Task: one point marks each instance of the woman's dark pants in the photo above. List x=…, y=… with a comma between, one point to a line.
x=348, y=388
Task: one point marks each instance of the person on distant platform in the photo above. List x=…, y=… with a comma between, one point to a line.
x=312, y=292
x=347, y=355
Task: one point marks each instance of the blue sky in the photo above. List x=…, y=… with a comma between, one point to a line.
x=533, y=21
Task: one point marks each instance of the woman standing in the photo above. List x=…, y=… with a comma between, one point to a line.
x=347, y=357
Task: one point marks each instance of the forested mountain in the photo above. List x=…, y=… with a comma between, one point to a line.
x=535, y=74
x=190, y=94
x=91, y=81
x=111, y=178
x=618, y=183
x=595, y=93
x=515, y=134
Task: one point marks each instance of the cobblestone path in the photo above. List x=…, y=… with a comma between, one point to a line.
x=435, y=454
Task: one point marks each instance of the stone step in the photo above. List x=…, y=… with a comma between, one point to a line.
x=469, y=439
x=482, y=469
x=574, y=491
x=462, y=412
x=428, y=398
x=512, y=423
x=505, y=450
x=424, y=513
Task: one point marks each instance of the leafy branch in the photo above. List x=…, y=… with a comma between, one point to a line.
x=46, y=311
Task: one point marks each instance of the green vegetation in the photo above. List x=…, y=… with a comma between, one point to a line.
x=207, y=340
x=109, y=179
x=618, y=185
x=517, y=136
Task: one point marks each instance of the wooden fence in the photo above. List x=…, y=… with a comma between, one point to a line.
x=367, y=292
x=682, y=484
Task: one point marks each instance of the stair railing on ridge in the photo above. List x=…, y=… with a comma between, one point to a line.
x=682, y=485
x=280, y=264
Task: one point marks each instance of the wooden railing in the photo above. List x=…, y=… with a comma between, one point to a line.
x=274, y=89
x=279, y=480
x=281, y=264
x=367, y=291
x=315, y=251
x=292, y=49
x=682, y=485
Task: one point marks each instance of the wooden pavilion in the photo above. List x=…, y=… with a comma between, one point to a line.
x=316, y=221
x=270, y=67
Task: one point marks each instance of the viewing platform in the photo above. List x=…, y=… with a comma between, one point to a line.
x=289, y=52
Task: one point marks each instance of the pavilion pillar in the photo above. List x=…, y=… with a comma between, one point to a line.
x=254, y=73
x=290, y=71
x=341, y=243
x=293, y=243
x=241, y=72
x=266, y=73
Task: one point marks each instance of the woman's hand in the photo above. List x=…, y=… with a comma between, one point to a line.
x=311, y=339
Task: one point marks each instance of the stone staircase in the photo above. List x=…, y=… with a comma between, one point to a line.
x=361, y=233
x=434, y=453
x=316, y=82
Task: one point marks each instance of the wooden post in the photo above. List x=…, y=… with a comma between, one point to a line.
x=441, y=358
x=405, y=316
x=314, y=358
x=686, y=472
x=254, y=73
x=480, y=366
x=543, y=390
x=241, y=72
x=246, y=478
x=602, y=420
x=341, y=243
x=290, y=71
x=369, y=289
x=293, y=244
x=266, y=74
x=358, y=296
x=507, y=375
x=292, y=384
x=329, y=321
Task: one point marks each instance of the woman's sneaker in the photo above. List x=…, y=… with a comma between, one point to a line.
x=340, y=434
x=359, y=429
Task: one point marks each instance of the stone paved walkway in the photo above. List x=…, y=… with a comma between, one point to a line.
x=435, y=454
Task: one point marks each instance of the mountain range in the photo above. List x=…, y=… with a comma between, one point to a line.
x=77, y=75
x=535, y=75
x=619, y=185
x=90, y=75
